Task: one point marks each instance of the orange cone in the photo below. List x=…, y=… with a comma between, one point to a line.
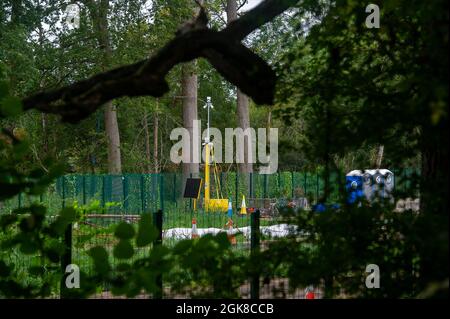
x=243, y=206
x=194, y=232
x=309, y=293
x=230, y=235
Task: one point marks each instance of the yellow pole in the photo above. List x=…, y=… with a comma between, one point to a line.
x=207, y=154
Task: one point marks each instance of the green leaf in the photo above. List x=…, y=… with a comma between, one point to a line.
x=5, y=270
x=10, y=106
x=222, y=240
x=53, y=254
x=182, y=246
x=21, y=210
x=37, y=270
x=38, y=209
x=124, y=231
x=28, y=247
x=123, y=267
x=146, y=232
x=7, y=220
x=4, y=89
x=123, y=250
x=100, y=257
x=68, y=215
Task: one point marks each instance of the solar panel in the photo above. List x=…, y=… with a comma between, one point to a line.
x=192, y=188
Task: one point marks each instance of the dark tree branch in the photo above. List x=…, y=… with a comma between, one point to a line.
x=253, y=19
x=223, y=50
x=242, y=4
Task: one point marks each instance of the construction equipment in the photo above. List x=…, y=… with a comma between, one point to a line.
x=212, y=204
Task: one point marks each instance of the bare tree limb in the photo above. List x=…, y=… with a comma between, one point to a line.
x=256, y=17
x=222, y=49
x=242, y=4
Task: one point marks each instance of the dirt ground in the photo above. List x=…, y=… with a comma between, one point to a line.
x=277, y=289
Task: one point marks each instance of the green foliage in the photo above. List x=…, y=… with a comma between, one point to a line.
x=337, y=246
x=10, y=106
x=124, y=231
x=343, y=90
x=123, y=250
x=350, y=83
x=146, y=232
x=207, y=267
x=100, y=258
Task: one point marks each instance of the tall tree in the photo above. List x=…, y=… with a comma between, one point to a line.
x=99, y=14
x=242, y=102
x=189, y=87
x=189, y=97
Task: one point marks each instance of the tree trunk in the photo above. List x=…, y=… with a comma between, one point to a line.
x=242, y=103
x=379, y=157
x=189, y=93
x=44, y=133
x=41, y=86
x=147, y=142
x=269, y=122
x=113, y=138
x=190, y=113
x=161, y=145
x=99, y=14
x=244, y=123
x=155, y=141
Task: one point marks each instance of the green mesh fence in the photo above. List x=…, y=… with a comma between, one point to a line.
x=137, y=193
x=126, y=197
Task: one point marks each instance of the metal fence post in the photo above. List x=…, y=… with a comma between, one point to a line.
x=158, y=223
x=161, y=190
x=63, y=191
x=317, y=187
x=251, y=185
x=190, y=199
x=154, y=190
x=174, y=198
x=237, y=188
x=103, y=190
x=19, y=199
x=84, y=188
x=143, y=208
x=66, y=258
x=254, y=246
x=279, y=183
x=292, y=184
x=221, y=183
x=265, y=186
x=305, y=185
x=125, y=193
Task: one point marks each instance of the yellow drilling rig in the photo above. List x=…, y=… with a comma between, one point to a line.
x=218, y=204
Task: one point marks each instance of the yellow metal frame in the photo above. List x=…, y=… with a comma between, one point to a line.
x=195, y=199
x=213, y=204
